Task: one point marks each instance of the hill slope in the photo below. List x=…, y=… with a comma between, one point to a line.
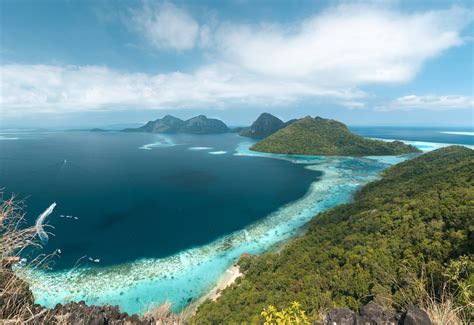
x=265, y=125
x=415, y=220
x=203, y=125
x=169, y=124
x=318, y=136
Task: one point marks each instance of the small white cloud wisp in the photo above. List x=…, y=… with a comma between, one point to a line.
x=166, y=26
x=429, y=102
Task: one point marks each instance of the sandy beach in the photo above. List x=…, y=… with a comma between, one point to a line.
x=227, y=278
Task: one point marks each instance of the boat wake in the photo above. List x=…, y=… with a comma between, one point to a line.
x=43, y=235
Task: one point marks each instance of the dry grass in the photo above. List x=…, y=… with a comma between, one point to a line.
x=163, y=315
x=14, y=239
x=16, y=300
x=445, y=305
x=444, y=312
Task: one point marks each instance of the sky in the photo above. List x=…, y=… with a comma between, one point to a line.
x=85, y=63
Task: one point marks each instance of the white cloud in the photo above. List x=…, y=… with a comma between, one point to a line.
x=349, y=45
x=166, y=26
x=430, y=102
x=46, y=88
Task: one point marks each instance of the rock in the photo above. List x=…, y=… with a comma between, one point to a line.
x=340, y=316
x=415, y=316
x=373, y=314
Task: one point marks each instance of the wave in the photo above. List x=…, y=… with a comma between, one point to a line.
x=218, y=152
x=458, y=133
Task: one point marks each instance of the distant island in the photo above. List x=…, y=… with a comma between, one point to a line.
x=99, y=130
x=324, y=137
x=169, y=124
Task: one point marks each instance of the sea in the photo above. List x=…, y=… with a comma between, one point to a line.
x=142, y=219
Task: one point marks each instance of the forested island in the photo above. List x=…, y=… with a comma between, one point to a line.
x=169, y=124
x=406, y=239
x=324, y=137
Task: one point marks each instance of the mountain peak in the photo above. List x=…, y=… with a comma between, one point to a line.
x=265, y=125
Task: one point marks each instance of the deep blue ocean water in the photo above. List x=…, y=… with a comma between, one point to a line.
x=125, y=202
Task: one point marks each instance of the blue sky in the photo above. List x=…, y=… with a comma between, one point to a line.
x=96, y=63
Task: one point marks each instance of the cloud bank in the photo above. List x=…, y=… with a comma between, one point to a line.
x=45, y=88
x=330, y=56
x=430, y=102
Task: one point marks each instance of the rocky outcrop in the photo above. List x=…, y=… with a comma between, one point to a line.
x=265, y=125
x=80, y=313
x=17, y=307
x=373, y=314
x=415, y=316
x=340, y=316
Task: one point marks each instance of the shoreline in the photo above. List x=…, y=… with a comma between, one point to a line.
x=227, y=279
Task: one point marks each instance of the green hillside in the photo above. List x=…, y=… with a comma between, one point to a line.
x=414, y=223
x=318, y=136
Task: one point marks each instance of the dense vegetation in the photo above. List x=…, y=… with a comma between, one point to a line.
x=409, y=229
x=318, y=136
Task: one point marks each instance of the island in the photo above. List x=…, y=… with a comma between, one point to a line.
x=325, y=137
x=169, y=124
x=265, y=125
x=98, y=130
x=405, y=236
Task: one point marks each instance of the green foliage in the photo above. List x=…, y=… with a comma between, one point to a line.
x=318, y=136
x=416, y=222
x=287, y=316
x=459, y=276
